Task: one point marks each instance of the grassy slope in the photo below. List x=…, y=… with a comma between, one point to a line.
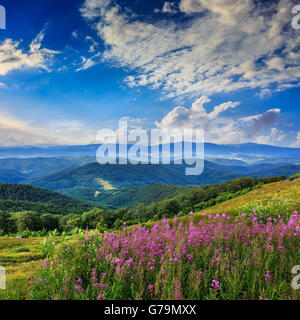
x=283, y=190
x=21, y=258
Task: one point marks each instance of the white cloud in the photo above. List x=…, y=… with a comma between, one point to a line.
x=194, y=117
x=296, y=144
x=229, y=12
x=15, y=131
x=93, y=43
x=220, y=128
x=75, y=34
x=191, y=6
x=12, y=57
x=230, y=45
x=298, y=138
x=169, y=7
x=87, y=63
x=274, y=136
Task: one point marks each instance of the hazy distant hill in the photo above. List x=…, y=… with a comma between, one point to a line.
x=248, y=151
x=282, y=170
x=35, y=167
x=11, y=176
x=251, y=149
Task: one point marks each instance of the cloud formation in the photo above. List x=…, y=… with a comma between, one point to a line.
x=220, y=128
x=169, y=7
x=12, y=57
x=226, y=45
x=87, y=63
x=15, y=131
x=297, y=143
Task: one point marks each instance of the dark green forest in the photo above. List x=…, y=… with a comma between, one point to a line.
x=29, y=209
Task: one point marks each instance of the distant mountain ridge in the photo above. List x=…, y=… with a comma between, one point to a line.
x=247, y=151
x=26, y=168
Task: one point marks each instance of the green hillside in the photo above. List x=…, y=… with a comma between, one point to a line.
x=284, y=191
x=92, y=176
x=16, y=197
x=129, y=197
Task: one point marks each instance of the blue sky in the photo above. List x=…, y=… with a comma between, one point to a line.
x=71, y=68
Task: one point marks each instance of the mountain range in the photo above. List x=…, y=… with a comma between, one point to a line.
x=247, y=151
x=109, y=184
x=73, y=170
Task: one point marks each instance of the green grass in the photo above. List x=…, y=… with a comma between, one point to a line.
x=272, y=208
x=21, y=258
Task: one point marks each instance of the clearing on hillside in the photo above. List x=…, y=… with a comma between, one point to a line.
x=106, y=184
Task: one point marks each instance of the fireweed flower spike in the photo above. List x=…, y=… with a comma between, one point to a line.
x=215, y=284
x=268, y=276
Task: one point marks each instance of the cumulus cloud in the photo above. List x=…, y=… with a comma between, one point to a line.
x=226, y=45
x=12, y=57
x=258, y=122
x=220, y=128
x=194, y=117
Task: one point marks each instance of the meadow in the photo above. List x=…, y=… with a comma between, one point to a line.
x=218, y=258
x=247, y=253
